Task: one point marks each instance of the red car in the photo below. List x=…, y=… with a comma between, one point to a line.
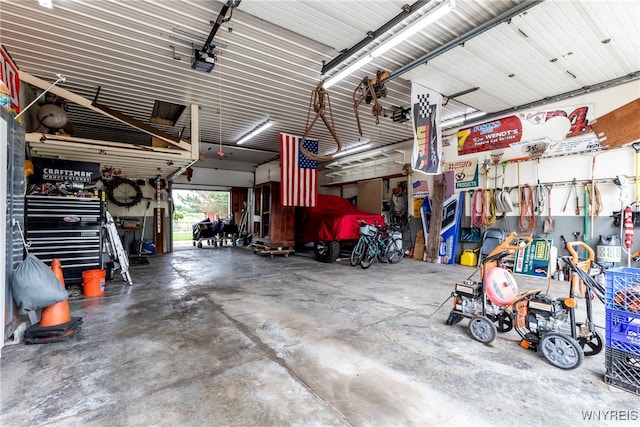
x=333, y=222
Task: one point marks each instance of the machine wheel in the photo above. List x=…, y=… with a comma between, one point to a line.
x=482, y=329
x=326, y=251
x=561, y=351
x=504, y=322
x=591, y=345
x=454, y=318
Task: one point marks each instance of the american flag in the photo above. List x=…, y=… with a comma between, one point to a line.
x=420, y=188
x=298, y=174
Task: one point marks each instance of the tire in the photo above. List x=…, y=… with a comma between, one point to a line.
x=592, y=344
x=395, y=253
x=504, y=323
x=357, y=253
x=561, y=351
x=326, y=251
x=382, y=253
x=454, y=319
x=482, y=329
x=369, y=256
x=124, y=192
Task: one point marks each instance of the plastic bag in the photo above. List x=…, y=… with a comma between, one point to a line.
x=35, y=286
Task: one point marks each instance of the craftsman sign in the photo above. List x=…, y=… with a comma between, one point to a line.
x=55, y=170
x=534, y=259
x=559, y=125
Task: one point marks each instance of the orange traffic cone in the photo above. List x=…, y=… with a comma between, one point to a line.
x=58, y=313
x=55, y=314
x=56, y=267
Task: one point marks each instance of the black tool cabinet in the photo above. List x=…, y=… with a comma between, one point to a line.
x=67, y=228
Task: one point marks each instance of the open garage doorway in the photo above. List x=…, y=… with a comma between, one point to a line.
x=194, y=206
x=222, y=213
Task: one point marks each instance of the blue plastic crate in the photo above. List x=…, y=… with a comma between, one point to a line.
x=622, y=290
x=623, y=331
x=623, y=370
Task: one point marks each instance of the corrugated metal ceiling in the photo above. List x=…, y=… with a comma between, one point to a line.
x=270, y=54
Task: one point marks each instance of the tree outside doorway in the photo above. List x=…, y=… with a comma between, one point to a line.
x=192, y=206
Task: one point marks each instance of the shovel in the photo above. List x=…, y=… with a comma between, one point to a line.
x=549, y=224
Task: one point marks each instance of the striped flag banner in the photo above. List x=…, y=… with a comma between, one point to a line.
x=427, y=145
x=298, y=173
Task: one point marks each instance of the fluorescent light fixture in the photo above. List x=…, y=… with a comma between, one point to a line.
x=393, y=41
x=418, y=25
x=353, y=150
x=254, y=132
x=462, y=119
x=350, y=69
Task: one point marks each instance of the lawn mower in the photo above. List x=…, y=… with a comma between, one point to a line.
x=545, y=324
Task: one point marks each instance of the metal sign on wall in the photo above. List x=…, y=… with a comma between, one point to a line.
x=465, y=172
x=11, y=77
x=56, y=170
x=534, y=259
x=560, y=125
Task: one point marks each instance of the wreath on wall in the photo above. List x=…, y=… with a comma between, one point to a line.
x=124, y=192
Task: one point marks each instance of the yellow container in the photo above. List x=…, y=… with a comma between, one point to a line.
x=469, y=257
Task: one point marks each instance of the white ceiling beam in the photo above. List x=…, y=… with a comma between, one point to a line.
x=70, y=96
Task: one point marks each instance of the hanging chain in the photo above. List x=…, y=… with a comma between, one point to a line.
x=220, y=152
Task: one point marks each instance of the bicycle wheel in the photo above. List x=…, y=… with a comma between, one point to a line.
x=382, y=249
x=395, y=253
x=357, y=253
x=369, y=255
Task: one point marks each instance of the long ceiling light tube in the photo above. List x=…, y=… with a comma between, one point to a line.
x=353, y=150
x=394, y=40
x=414, y=27
x=347, y=71
x=462, y=119
x=476, y=31
x=373, y=36
x=254, y=132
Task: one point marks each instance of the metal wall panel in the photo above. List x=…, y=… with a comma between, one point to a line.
x=12, y=135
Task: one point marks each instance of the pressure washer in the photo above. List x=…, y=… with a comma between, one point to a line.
x=545, y=324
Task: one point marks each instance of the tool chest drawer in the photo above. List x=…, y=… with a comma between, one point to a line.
x=66, y=228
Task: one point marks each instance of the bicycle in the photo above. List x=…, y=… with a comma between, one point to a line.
x=367, y=234
x=385, y=246
x=394, y=243
x=376, y=242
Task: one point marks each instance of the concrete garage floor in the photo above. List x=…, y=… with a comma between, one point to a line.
x=221, y=336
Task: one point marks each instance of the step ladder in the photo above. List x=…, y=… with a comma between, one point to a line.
x=119, y=255
x=243, y=222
